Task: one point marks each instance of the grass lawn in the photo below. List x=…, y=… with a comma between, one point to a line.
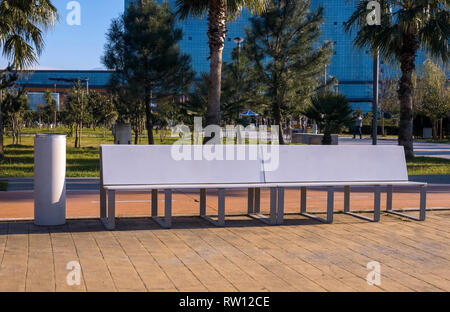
x=428, y=165
x=84, y=162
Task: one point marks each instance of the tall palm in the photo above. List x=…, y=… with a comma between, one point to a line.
x=406, y=26
x=22, y=26
x=218, y=12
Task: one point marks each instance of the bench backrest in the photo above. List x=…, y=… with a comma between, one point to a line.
x=156, y=165
x=339, y=164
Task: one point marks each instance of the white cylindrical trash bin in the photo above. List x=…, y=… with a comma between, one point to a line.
x=49, y=180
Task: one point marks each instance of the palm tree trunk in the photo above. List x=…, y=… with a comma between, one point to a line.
x=216, y=35
x=407, y=59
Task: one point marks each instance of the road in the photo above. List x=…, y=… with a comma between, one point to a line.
x=441, y=150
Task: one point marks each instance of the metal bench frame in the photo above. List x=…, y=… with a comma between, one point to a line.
x=277, y=190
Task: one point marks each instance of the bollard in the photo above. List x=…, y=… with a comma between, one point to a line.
x=49, y=180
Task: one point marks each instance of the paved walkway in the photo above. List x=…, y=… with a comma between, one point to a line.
x=441, y=150
x=244, y=256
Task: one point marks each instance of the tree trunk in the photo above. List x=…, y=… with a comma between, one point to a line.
x=277, y=117
x=405, y=93
x=216, y=35
x=326, y=138
x=148, y=116
x=76, y=135
x=81, y=134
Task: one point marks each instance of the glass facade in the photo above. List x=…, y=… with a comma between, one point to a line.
x=38, y=98
x=64, y=78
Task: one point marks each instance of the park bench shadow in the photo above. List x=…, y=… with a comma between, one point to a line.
x=140, y=224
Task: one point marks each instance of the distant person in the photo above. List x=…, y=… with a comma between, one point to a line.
x=358, y=127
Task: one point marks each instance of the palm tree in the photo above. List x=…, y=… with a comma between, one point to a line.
x=406, y=26
x=331, y=112
x=22, y=25
x=218, y=12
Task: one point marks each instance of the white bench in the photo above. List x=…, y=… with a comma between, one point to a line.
x=153, y=168
x=342, y=166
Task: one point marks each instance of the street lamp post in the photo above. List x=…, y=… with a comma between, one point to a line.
x=376, y=79
x=238, y=41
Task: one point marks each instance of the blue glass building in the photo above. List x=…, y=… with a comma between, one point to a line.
x=59, y=82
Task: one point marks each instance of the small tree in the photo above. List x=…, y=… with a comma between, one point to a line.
x=77, y=109
x=389, y=102
x=143, y=51
x=50, y=108
x=435, y=98
x=331, y=112
x=14, y=107
x=281, y=43
x=7, y=78
x=102, y=109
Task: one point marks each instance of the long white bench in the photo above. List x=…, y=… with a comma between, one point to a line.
x=153, y=168
x=342, y=166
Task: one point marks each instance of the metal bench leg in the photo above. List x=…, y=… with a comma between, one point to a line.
x=221, y=204
x=168, y=208
x=221, y=209
x=273, y=205
x=110, y=221
x=203, y=202
x=303, y=195
x=389, y=198
x=154, y=203
x=257, y=207
x=330, y=206
x=167, y=221
x=251, y=201
x=347, y=198
x=423, y=202
x=102, y=203
x=423, y=205
x=280, y=210
x=376, y=205
x=257, y=200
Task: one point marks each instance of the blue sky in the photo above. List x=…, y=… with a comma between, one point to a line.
x=78, y=47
